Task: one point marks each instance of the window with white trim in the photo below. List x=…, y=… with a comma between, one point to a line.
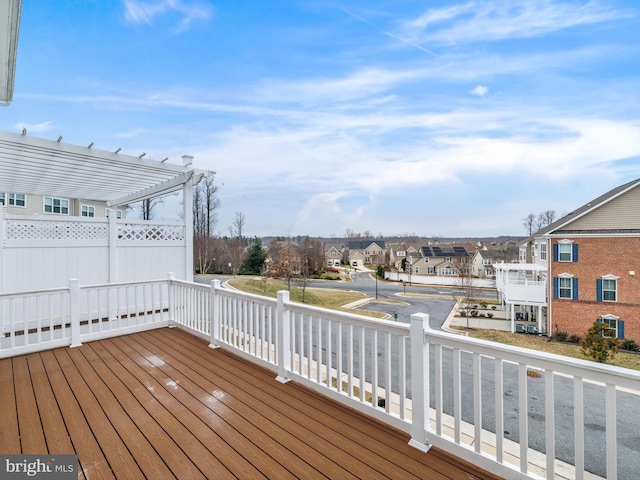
x=616, y=326
x=543, y=251
x=607, y=289
x=87, y=211
x=2, y=201
x=565, y=287
x=18, y=199
x=56, y=205
x=565, y=252
x=447, y=271
x=431, y=270
x=119, y=216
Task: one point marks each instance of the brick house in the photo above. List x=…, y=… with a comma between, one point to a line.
x=593, y=258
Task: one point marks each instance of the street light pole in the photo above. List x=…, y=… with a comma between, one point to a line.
x=376, y=284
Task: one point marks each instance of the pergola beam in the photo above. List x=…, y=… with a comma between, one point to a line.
x=160, y=189
x=9, y=28
x=36, y=166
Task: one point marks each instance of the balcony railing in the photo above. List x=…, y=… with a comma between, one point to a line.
x=460, y=394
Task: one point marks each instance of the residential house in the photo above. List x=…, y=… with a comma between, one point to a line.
x=593, y=258
x=23, y=204
x=333, y=252
x=446, y=260
x=481, y=264
x=399, y=251
x=370, y=252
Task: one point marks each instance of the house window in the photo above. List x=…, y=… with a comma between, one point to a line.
x=2, y=199
x=88, y=211
x=616, y=326
x=426, y=260
x=431, y=270
x=486, y=261
x=565, y=286
x=119, y=215
x=543, y=251
x=447, y=271
x=17, y=199
x=447, y=259
x=607, y=289
x=56, y=205
x=565, y=251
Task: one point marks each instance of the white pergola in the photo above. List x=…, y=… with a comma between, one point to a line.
x=36, y=166
x=9, y=27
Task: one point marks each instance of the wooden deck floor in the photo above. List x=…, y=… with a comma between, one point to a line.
x=161, y=404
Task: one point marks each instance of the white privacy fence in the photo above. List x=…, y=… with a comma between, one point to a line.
x=44, y=251
x=516, y=412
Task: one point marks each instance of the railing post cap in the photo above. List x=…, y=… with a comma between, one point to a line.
x=421, y=318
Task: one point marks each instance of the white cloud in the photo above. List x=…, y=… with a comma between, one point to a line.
x=480, y=90
x=34, y=127
x=137, y=12
x=491, y=21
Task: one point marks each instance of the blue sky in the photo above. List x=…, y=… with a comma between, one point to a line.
x=448, y=118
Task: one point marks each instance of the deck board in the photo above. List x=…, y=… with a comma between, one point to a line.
x=161, y=404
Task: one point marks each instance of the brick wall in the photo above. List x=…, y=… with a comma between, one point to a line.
x=597, y=257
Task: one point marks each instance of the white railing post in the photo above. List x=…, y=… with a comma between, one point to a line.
x=1, y=250
x=283, y=336
x=172, y=304
x=419, y=381
x=214, y=314
x=74, y=312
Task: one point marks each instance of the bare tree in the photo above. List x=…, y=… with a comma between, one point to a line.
x=534, y=223
x=234, y=249
x=549, y=217
x=467, y=298
x=237, y=225
x=205, y=217
x=529, y=223
x=148, y=206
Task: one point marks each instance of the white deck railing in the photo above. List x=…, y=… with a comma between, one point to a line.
x=455, y=392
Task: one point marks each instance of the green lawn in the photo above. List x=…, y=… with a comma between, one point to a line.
x=319, y=297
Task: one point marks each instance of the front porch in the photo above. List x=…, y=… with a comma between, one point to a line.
x=162, y=404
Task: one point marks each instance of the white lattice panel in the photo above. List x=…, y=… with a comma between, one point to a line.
x=54, y=230
x=157, y=233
